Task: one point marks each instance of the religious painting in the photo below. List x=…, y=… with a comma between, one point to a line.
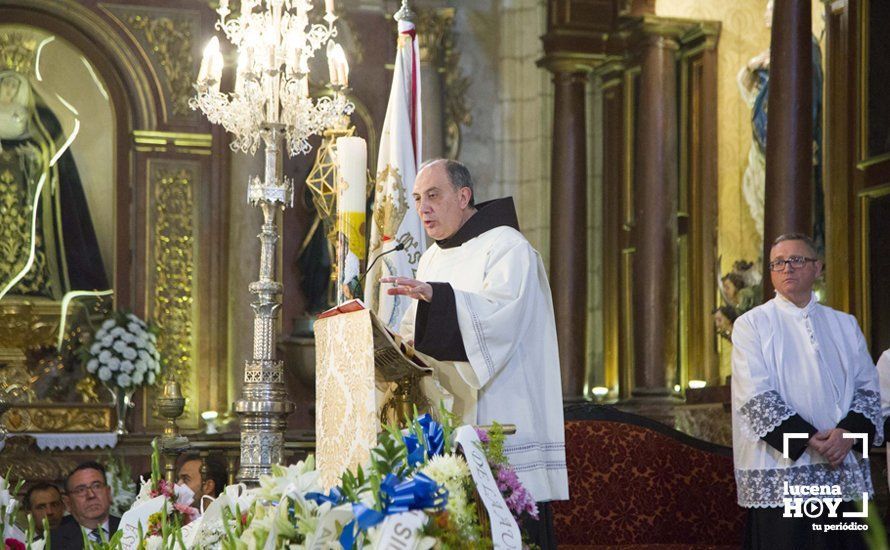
x=56, y=208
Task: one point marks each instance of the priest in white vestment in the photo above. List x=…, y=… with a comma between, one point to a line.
x=799, y=367
x=483, y=306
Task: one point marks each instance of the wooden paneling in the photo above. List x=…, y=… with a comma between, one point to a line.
x=612, y=78
x=698, y=207
x=855, y=180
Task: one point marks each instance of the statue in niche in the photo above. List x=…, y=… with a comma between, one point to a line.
x=741, y=290
x=66, y=252
x=48, y=246
x=753, y=81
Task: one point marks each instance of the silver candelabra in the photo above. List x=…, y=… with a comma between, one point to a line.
x=270, y=104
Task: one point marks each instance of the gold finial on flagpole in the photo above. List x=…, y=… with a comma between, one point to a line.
x=405, y=13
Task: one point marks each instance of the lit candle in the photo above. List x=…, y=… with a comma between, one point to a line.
x=352, y=166
x=343, y=69
x=293, y=46
x=352, y=162
x=210, y=51
x=243, y=69
x=329, y=7
x=223, y=7
x=214, y=72
x=337, y=65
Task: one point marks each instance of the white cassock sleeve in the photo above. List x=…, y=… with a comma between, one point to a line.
x=755, y=401
x=884, y=379
x=495, y=320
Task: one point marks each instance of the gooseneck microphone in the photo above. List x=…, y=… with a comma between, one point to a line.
x=361, y=280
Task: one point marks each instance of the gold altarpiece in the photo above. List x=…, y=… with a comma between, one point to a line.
x=164, y=210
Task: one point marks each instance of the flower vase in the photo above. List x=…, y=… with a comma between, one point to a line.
x=123, y=402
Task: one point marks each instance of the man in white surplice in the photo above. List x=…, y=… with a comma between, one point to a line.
x=800, y=367
x=483, y=305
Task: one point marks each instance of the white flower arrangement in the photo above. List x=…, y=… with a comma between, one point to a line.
x=124, y=353
x=8, y=509
x=453, y=472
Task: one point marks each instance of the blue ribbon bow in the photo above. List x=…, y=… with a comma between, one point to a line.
x=418, y=493
x=335, y=496
x=433, y=440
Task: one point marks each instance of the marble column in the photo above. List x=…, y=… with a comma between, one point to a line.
x=568, y=220
x=655, y=222
x=789, y=153
x=434, y=28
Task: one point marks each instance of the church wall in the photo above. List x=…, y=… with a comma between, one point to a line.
x=743, y=35
x=508, y=143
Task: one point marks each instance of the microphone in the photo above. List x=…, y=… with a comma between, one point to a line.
x=361, y=280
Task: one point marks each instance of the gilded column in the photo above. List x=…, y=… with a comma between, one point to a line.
x=655, y=222
x=789, y=153
x=568, y=219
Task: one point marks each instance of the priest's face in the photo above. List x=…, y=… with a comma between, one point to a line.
x=442, y=207
x=795, y=283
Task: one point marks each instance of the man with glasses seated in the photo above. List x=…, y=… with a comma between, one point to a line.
x=88, y=499
x=802, y=378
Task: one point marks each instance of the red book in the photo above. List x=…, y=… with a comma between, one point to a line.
x=345, y=307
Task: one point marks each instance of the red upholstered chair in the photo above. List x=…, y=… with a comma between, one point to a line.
x=635, y=483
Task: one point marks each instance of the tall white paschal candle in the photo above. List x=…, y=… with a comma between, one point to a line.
x=352, y=163
x=352, y=168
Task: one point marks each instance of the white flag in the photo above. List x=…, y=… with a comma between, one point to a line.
x=395, y=221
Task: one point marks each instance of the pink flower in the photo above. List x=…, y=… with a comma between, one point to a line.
x=190, y=513
x=13, y=544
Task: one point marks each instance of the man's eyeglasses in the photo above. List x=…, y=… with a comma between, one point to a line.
x=797, y=262
x=81, y=490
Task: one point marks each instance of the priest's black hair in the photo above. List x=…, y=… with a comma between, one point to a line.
x=460, y=177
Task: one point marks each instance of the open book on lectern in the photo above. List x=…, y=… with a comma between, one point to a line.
x=394, y=358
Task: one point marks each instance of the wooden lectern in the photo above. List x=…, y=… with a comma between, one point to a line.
x=363, y=374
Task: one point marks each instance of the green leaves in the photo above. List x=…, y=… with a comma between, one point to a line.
x=353, y=485
x=390, y=455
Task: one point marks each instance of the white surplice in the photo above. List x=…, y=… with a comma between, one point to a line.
x=505, y=313
x=883, y=366
x=811, y=361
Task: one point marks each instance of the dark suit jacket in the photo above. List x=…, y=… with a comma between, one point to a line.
x=68, y=535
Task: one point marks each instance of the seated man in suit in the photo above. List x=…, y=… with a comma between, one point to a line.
x=44, y=500
x=88, y=499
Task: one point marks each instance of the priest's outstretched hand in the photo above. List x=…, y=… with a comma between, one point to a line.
x=412, y=288
x=832, y=445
